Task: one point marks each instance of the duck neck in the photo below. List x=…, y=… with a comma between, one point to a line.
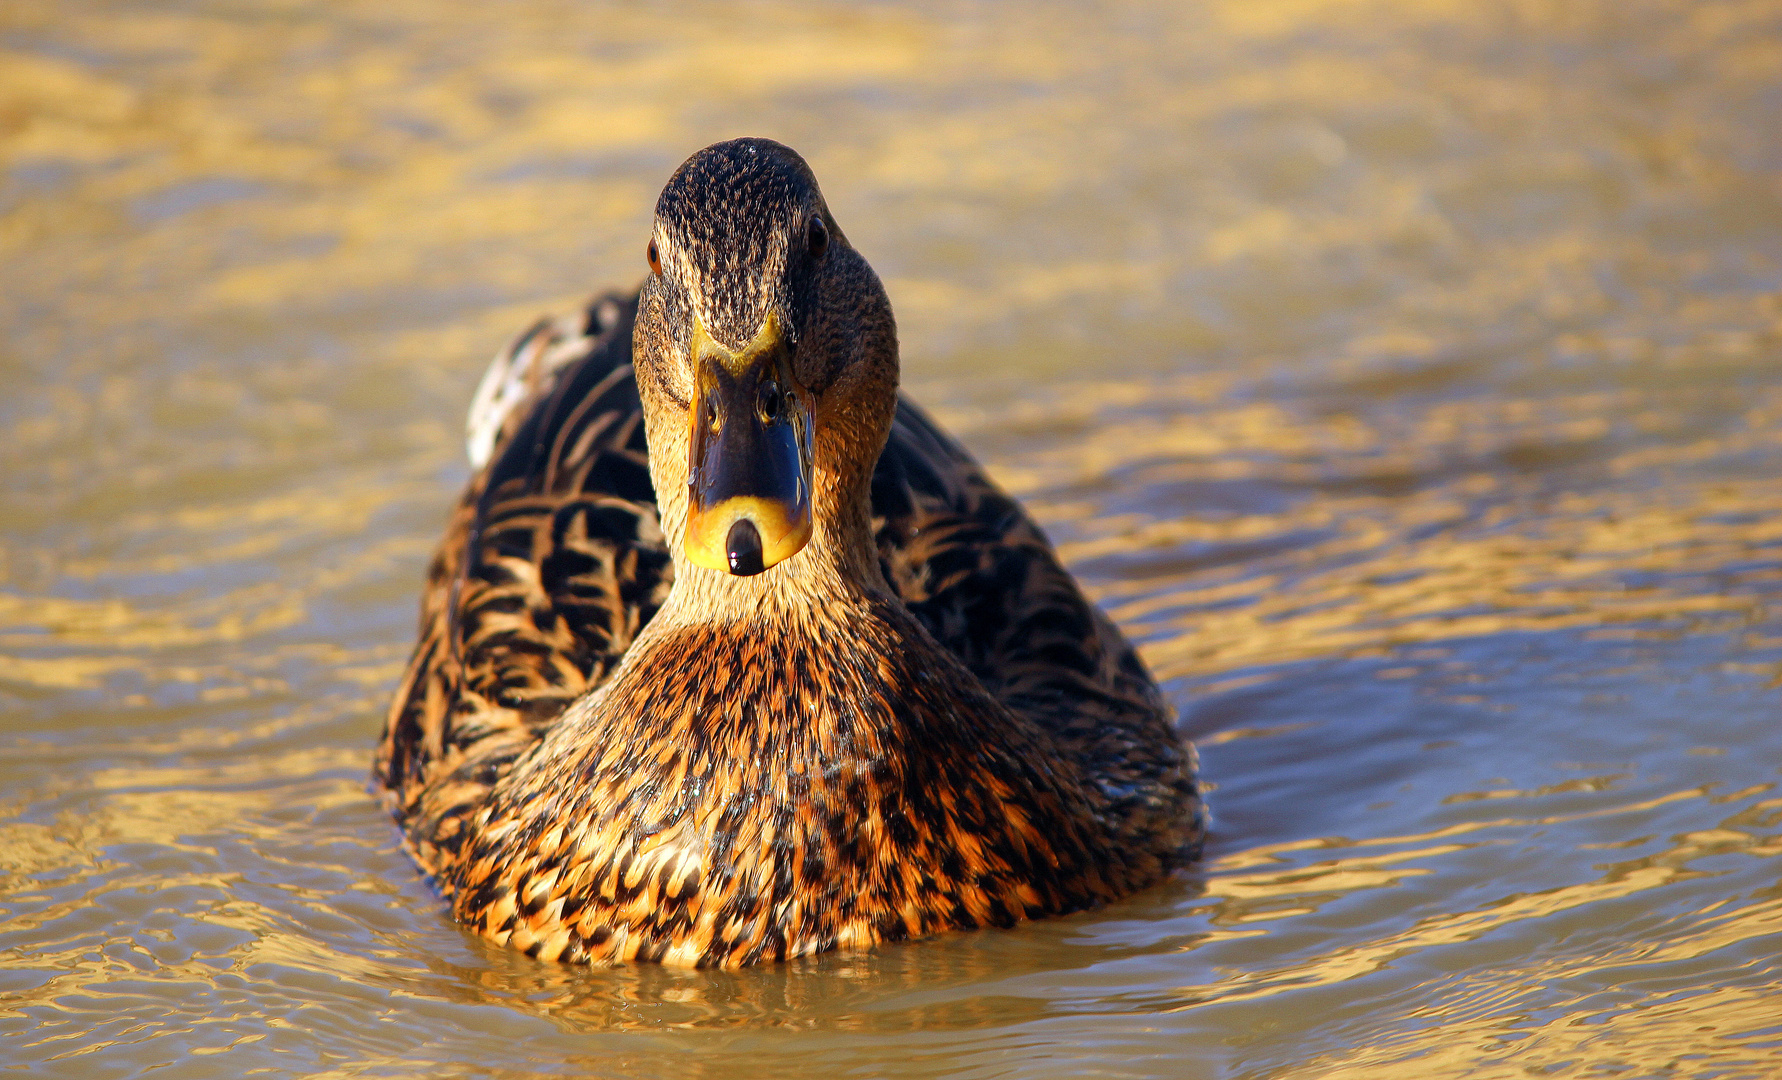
x=837, y=570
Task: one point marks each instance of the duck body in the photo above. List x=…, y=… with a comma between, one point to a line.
x=606, y=749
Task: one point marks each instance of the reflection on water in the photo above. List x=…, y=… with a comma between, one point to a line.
x=1403, y=375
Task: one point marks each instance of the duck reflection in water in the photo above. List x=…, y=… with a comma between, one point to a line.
x=730, y=654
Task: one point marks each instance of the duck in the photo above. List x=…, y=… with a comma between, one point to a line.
x=730, y=654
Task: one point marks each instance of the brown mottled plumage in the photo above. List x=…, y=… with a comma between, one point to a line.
x=917, y=723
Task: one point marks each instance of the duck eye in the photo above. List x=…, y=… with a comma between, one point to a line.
x=654, y=259
x=818, y=238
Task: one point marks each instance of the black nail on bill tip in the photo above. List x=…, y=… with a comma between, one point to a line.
x=743, y=546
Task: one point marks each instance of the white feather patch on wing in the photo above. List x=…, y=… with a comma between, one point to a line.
x=523, y=371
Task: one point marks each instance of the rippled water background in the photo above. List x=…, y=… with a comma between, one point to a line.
x=1405, y=376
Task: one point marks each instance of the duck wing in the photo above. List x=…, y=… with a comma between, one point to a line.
x=552, y=562
x=979, y=574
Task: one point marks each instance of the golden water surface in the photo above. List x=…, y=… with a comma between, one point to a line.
x=1404, y=375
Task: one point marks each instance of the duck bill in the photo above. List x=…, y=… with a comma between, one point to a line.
x=749, y=467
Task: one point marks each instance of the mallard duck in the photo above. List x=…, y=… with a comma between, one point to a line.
x=729, y=654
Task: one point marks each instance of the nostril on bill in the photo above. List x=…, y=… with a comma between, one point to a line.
x=742, y=545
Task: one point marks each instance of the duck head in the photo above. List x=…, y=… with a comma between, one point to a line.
x=766, y=356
